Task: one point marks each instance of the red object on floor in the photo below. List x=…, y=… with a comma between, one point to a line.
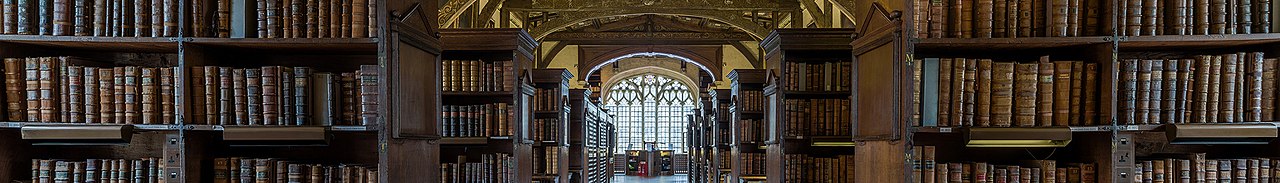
x=644, y=169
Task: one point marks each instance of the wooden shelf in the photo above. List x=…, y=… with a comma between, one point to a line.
x=340, y=128
x=929, y=44
x=135, y=126
x=478, y=94
x=958, y=129
x=123, y=44
x=1197, y=41
x=309, y=45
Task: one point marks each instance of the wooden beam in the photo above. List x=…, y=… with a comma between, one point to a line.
x=631, y=38
x=453, y=9
x=822, y=18
x=546, y=60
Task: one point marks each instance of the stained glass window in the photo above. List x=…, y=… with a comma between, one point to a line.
x=650, y=108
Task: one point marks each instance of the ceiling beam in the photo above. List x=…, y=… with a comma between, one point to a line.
x=581, y=5
x=822, y=18
x=655, y=38
x=733, y=18
x=451, y=10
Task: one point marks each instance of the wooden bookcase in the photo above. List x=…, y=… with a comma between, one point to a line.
x=492, y=45
x=887, y=47
x=553, y=86
x=404, y=49
x=720, y=142
x=743, y=81
x=700, y=134
x=797, y=52
x=591, y=143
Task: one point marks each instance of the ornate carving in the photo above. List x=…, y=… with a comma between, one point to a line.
x=644, y=35
x=450, y=11
x=733, y=18
x=589, y=5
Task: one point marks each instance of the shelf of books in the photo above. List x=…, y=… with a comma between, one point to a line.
x=808, y=135
x=591, y=144
x=747, y=134
x=700, y=142
x=721, y=126
x=122, y=91
x=1167, y=91
x=550, y=125
x=487, y=100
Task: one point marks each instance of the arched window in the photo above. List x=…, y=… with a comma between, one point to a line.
x=650, y=108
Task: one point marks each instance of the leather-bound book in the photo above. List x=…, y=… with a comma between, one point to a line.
x=226, y=95
x=1169, y=92
x=223, y=26
x=127, y=13
x=1241, y=94
x=149, y=95
x=287, y=18
x=270, y=95
x=1244, y=16
x=372, y=7
x=1127, y=103
x=25, y=12
x=240, y=106
x=345, y=24
x=369, y=94
x=168, y=108
x=1002, y=94
x=1014, y=15
x=1044, y=93
x=198, y=96
x=1075, y=107
x=1184, y=95
x=1000, y=18
x=1227, y=100
x=1154, y=95
x=253, y=95
x=1142, y=93
x=335, y=18
x=1215, y=90
x=1199, y=15
x=1061, y=103
x=261, y=8
x=1150, y=17
x=1091, y=96
x=274, y=21
x=15, y=89
x=1121, y=18
x=1218, y=16
x=99, y=20
x=1040, y=19
x=142, y=18
x=983, y=19
x=211, y=95
x=1262, y=16
x=1268, y=88
x=1058, y=15
x=982, y=100
x=263, y=170
x=324, y=99
x=61, y=93
x=75, y=94
x=131, y=97
x=200, y=18
x=311, y=19
x=958, y=94
x=1175, y=23
x=1074, y=15
x=970, y=92
x=1133, y=20
x=10, y=17
x=348, y=105
x=156, y=21
x=48, y=85
x=1253, y=86
x=359, y=18
x=106, y=95
x=302, y=94
x=32, y=80
x=955, y=18
x=1026, y=77
x=286, y=96
x=322, y=17
x=80, y=13
x=944, y=91
x=44, y=10
x=1200, y=89
x=92, y=104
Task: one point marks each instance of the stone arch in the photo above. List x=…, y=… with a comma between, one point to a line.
x=592, y=59
x=727, y=17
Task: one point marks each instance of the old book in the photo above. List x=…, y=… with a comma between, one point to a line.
x=1142, y=94
x=44, y=10
x=263, y=170
x=958, y=91
x=937, y=18
x=1057, y=16
x=1074, y=107
x=329, y=12
x=1061, y=103
x=1002, y=94
x=369, y=94
x=168, y=106
x=311, y=19
x=1175, y=23
x=75, y=94
x=130, y=104
x=106, y=95
x=274, y=20
x=240, y=105
x=92, y=92
x=1183, y=94
x=302, y=94
x=1045, y=93
x=1169, y=88
x=32, y=90
x=10, y=17
x=15, y=89
x=1025, y=84
x=1090, y=101
x=1156, y=88
x=372, y=16
x=944, y=91
x=323, y=100
x=1227, y=88
x=982, y=100
x=1128, y=91
x=149, y=96
x=223, y=25
x=348, y=105
x=359, y=18
x=125, y=13
x=1238, y=106
x=1268, y=98
x=48, y=89
x=928, y=162
x=63, y=82
x=142, y=18
x=253, y=95
x=1200, y=91
x=286, y=96
x=1213, y=109
x=80, y=14
x=1217, y=16
x=247, y=172
x=955, y=17
x=1253, y=62
x=983, y=18
x=970, y=92
x=26, y=13
x=261, y=18
x=344, y=26
x=270, y=95
x=100, y=20
x=211, y=92
x=1150, y=17
x=199, y=109
x=1133, y=18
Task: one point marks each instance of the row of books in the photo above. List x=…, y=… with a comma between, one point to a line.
x=817, y=117
x=145, y=18
x=752, y=163
x=1203, y=89
x=984, y=93
x=546, y=161
x=288, y=18
x=927, y=169
x=264, y=170
x=478, y=120
x=726, y=158
x=497, y=167
x=1011, y=18
x=61, y=89
x=826, y=76
x=478, y=75
x=752, y=130
x=1193, y=17
x=751, y=101
x=547, y=130
x=142, y=170
x=802, y=168
x=280, y=95
x=546, y=99
x=1196, y=168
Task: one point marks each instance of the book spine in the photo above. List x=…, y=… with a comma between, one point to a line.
x=131, y=98
x=261, y=8
x=302, y=94
x=983, y=100
x=1200, y=92
x=15, y=89
x=1227, y=99
x=168, y=106
x=253, y=95
x=75, y=94
x=286, y=96
x=1045, y=93
x=312, y=19
x=273, y=15
x=1002, y=94
x=369, y=94
x=1091, y=96
x=239, y=95
x=344, y=26
x=1058, y=17
x=142, y=18
x=1025, y=89
x=10, y=17
x=335, y=18
x=1268, y=97
x=1128, y=92
x=1142, y=94
x=49, y=89
x=1155, y=98
x=359, y=18
x=1075, y=109
x=150, y=90
x=1061, y=103
x=937, y=18
x=271, y=95
x=226, y=95
x=80, y=12
x=106, y=95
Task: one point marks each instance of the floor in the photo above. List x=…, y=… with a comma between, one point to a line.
x=663, y=179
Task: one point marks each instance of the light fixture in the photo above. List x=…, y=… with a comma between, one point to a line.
x=1017, y=137
x=832, y=144
x=1252, y=133
x=300, y=135
x=77, y=134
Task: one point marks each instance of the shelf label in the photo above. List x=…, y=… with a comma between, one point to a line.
x=1131, y=127
x=1085, y=128
x=944, y=130
x=218, y=127
x=14, y=125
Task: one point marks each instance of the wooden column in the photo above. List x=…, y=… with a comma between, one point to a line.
x=881, y=101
